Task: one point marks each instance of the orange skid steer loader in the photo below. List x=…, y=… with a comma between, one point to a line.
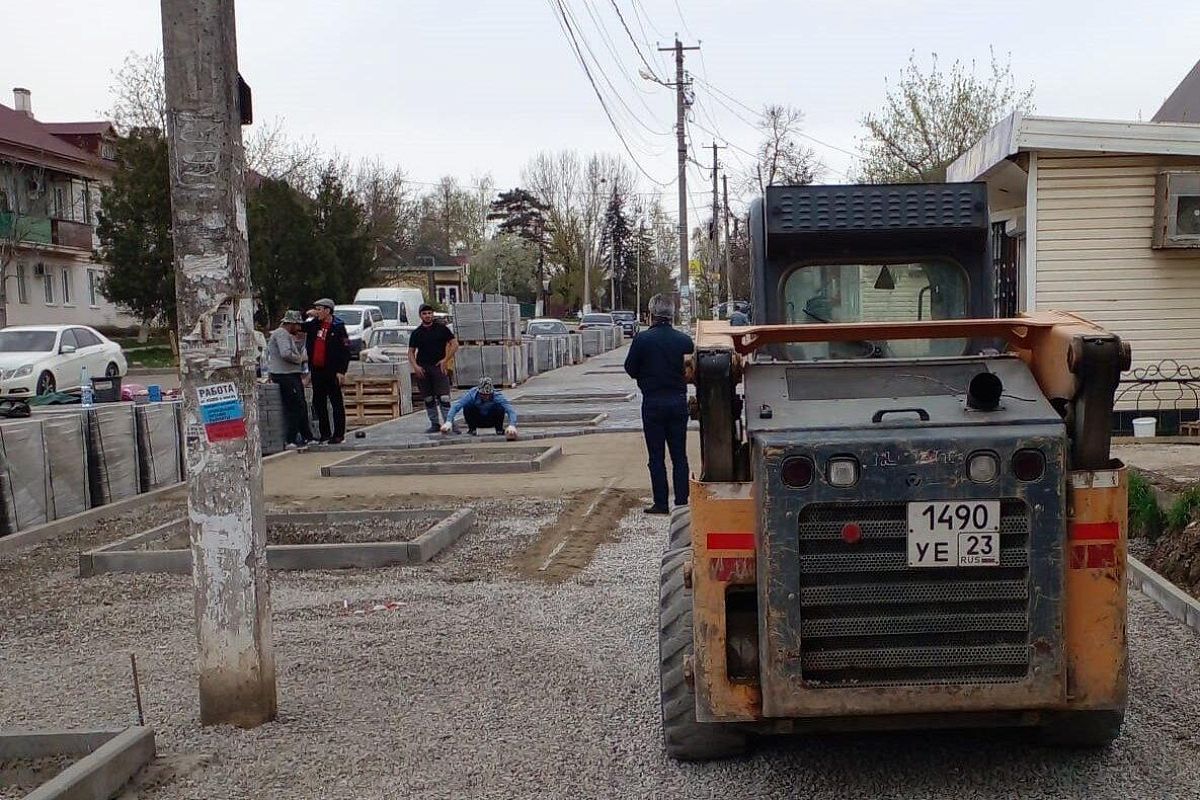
x=907, y=514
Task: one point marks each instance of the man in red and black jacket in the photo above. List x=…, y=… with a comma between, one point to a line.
x=329, y=357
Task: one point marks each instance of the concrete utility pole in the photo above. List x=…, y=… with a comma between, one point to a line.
x=714, y=232
x=217, y=359
x=728, y=272
x=681, y=105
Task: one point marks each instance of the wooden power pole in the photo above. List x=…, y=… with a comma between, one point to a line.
x=205, y=105
x=681, y=107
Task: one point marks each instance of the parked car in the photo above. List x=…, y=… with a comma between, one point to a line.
x=546, y=327
x=596, y=321
x=387, y=343
x=40, y=359
x=628, y=321
x=358, y=320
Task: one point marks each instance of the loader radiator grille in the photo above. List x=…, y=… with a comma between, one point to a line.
x=867, y=619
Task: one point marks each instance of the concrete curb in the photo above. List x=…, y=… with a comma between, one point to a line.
x=110, y=759
x=24, y=539
x=123, y=557
x=1176, y=602
x=536, y=458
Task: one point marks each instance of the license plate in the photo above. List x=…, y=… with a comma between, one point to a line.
x=954, y=533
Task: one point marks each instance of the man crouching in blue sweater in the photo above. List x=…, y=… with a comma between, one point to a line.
x=484, y=407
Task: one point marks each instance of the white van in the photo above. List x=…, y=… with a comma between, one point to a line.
x=398, y=304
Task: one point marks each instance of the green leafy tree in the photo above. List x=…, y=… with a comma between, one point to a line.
x=340, y=223
x=135, y=230
x=931, y=118
x=289, y=265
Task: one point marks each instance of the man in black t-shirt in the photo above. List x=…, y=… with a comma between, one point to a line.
x=430, y=346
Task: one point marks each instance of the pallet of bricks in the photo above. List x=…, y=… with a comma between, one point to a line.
x=489, y=344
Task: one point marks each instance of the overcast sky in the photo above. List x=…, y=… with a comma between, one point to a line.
x=474, y=87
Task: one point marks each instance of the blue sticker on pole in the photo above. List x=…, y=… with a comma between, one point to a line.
x=221, y=412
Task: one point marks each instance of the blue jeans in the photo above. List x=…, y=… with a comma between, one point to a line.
x=664, y=424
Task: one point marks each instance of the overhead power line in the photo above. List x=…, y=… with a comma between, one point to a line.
x=637, y=48
x=566, y=25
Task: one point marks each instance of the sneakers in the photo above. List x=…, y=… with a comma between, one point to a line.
x=657, y=510
x=434, y=429
x=499, y=430
x=472, y=431
x=337, y=440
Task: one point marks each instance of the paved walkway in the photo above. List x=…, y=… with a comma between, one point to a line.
x=602, y=375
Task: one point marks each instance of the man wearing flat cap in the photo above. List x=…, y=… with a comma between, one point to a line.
x=328, y=346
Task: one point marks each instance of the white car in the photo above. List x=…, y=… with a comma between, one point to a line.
x=358, y=320
x=546, y=327
x=40, y=359
x=387, y=343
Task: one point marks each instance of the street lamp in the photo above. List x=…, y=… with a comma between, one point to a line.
x=545, y=297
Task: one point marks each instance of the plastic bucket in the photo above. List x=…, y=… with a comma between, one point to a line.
x=1144, y=427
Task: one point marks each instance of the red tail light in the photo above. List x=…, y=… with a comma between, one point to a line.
x=797, y=472
x=1028, y=465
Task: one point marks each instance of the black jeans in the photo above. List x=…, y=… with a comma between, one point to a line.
x=477, y=420
x=664, y=424
x=435, y=389
x=295, y=410
x=326, y=389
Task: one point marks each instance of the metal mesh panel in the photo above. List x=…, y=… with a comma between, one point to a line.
x=868, y=619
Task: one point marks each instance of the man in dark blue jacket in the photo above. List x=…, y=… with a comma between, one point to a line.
x=655, y=361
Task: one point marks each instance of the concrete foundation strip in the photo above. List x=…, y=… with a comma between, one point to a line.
x=1176, y=602
x=110, y=758
x=124, y=555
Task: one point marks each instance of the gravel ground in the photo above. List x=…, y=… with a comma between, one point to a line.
x=485, y=685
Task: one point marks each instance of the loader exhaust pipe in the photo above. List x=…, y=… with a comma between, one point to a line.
x=984, y=391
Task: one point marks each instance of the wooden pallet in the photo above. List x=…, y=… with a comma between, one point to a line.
x=371, y=399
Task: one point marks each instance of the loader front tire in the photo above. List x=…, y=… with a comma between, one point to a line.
x=680, y=531
x=684, y=737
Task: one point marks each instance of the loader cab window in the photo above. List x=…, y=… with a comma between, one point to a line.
x=819, y=294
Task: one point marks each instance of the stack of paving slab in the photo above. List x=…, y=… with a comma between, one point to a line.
x=43, y=470
x=593, y=341
x=490, y=339
x=161, y=457
x=272, y=423
x=575, y=348
x=496, y=361
x=542, y=351
x=487, y=323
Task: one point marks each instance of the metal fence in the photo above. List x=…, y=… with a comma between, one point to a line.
x=1167, y=390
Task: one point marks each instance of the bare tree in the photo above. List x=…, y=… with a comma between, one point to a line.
x=23, y=215
x=931, y=118
x=139, y=98
x=782, y=159
x=273, y=153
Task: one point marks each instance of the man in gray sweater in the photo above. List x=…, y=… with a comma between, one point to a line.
x=287, y=358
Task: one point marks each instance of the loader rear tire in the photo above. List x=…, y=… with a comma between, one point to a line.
x=680, y=535
x=1082, y=729
x=684, y=737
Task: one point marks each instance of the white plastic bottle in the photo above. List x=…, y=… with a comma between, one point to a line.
x=85, y=387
